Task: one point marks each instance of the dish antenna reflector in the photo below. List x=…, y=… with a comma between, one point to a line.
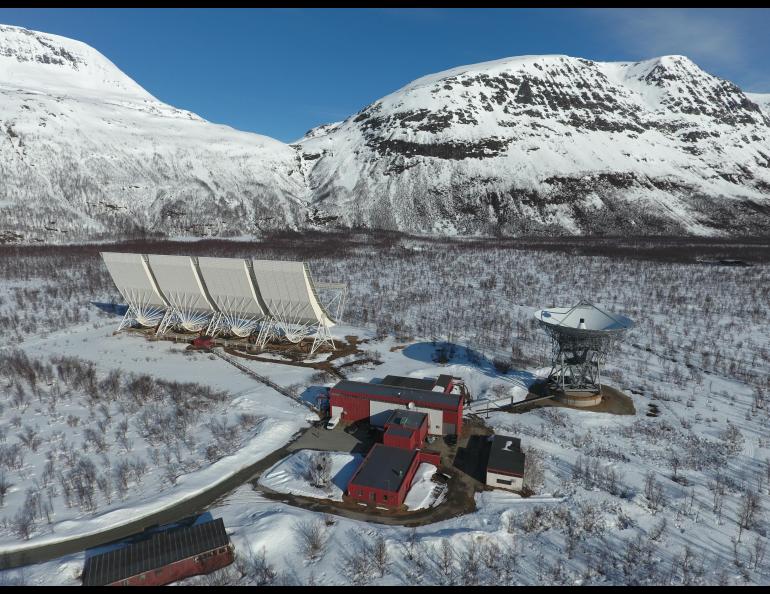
x=582, y=336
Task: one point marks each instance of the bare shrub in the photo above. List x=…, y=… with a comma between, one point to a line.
x=470, y=564
x=313, y=537
x=320, y=469
x=380, y=554
x=248, y=421
x=653, y=492
x=257, y=568
x=30, y=438
x=501, y=365
x=24, y=523
x=534, y=469
x=446, y=561
x=733, y=438
x=5, y=485
x=748, y=510
x=356, y=563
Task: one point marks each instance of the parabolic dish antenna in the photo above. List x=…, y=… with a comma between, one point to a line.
x=582, y=336
x=583, y=319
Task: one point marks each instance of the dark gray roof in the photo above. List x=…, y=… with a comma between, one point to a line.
x=412, y=419
x=155, y=552
x=399, y=431
x=404, y=395
x=444, y=380
x=384, y=468
x=506, y=455
x=409, y=382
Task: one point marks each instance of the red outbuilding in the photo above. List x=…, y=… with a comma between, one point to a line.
x=203, y=342
x=386, y=474
x=163, y=558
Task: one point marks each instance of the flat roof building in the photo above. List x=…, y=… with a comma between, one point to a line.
x=441, y=384
x=163, y=558
x=409, y=419
x=505, y=466
x=386, y=474
x=354, y=401
x=406, y=429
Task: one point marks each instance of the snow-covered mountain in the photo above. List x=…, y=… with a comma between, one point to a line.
x=86, y=152
x=762, y=100
x=552, y=144
x=524, y=145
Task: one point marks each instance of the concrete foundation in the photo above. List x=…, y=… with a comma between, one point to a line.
x=579, y=399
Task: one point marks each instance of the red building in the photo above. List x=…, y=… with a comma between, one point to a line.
x=355, y=401
x=163, y=558
x=386, y=474
x=406, y=429
x=443, y=383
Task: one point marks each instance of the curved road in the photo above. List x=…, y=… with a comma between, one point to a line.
x=177, y=511
x=459, y=501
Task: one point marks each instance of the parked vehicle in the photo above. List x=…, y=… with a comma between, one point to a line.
x=333, y=422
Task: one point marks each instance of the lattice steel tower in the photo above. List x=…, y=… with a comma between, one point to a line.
x=582, y=336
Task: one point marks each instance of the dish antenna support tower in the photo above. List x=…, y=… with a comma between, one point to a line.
x=581, y=336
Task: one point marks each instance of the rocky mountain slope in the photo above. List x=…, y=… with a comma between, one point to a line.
x=86, y=152
x=552, y=144
x=535, y=144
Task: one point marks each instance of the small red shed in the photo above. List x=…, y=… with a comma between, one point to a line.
x=203, y=342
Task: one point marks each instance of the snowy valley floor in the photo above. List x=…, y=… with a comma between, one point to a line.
x=678, y=493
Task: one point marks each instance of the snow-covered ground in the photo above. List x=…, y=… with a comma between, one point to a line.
x=291, y=475
x=669, y=497
x=97, y=461
x=423, y=492
x=154, y=461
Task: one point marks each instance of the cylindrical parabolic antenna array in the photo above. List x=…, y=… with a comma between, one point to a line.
x=267, y=299
x=582, y=337
x=136, y=284
x=179, y=281
x=231, y=287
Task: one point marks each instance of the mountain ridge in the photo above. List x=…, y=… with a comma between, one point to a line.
x=525, y=145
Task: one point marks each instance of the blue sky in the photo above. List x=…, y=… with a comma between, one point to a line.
x=281, y=72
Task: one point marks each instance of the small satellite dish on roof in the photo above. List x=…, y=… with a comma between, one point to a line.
x=410, y=405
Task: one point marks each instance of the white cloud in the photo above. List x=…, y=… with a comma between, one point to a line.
x=714, y=36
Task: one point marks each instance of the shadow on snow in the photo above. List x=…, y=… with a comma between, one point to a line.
x=448, y=353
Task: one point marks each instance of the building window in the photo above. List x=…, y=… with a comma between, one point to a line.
x=504, y=482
